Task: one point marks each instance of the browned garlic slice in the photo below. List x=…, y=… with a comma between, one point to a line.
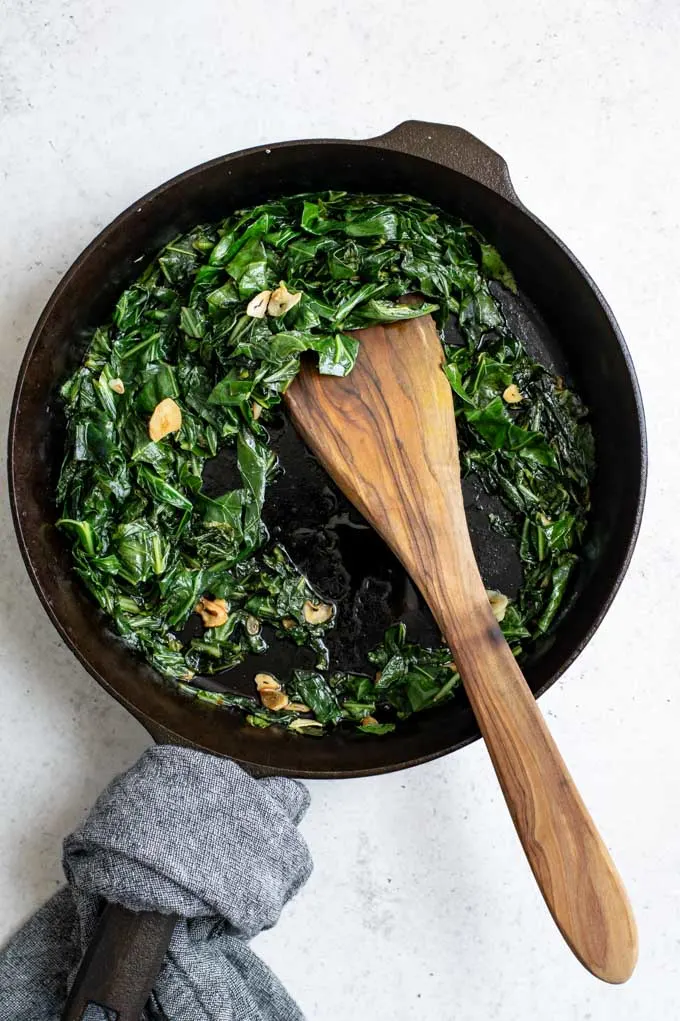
x=257, y=306
x=274, y=700
x=166, y=418
x=317, y=613
x=213, y=612
x=512, y=395
x=266, y=682
x=282, y=300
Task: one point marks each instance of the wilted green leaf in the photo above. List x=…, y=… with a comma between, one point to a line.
x=148, y=543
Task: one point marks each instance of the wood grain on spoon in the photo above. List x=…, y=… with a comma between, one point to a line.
x=386, y=434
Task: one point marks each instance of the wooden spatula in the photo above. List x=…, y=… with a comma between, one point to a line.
x=387, y=435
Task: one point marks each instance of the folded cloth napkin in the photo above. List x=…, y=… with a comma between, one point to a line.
x=180, y=832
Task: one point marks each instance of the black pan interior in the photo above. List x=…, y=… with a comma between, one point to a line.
x=345, y=559
x=561, y=319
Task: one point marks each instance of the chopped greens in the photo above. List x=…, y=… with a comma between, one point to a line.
x=197, y=352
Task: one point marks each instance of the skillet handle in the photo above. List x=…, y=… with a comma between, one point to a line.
x=120, y=966
x=454, y=148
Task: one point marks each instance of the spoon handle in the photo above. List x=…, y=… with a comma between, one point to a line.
x=573, y=869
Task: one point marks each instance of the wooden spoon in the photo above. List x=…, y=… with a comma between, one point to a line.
x=387, y=435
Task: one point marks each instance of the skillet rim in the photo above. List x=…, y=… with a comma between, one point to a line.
x=399, y=140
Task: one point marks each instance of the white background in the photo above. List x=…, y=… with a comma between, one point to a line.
x=421, y=905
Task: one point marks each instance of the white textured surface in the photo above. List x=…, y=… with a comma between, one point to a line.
x=421, y=905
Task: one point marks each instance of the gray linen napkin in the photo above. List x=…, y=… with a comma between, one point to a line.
x=180, y=832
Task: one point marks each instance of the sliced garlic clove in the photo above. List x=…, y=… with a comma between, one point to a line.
x=282, y=300
x=512, y=394
x=274, y=700
x=213, y=612
x=266, y=682
x=317, y=613
x=166, y=418
x=257, y=306
x=499, y=603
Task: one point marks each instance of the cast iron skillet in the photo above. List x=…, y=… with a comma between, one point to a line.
x=562, y=318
